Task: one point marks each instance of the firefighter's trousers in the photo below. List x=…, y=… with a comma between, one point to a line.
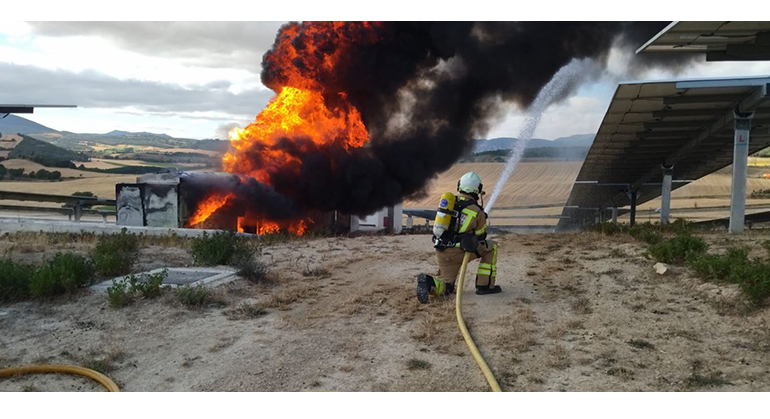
x=451, y=259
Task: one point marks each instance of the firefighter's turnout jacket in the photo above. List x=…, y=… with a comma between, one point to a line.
x=471, y=219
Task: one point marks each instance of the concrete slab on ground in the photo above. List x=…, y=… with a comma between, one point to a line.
x=210, y=277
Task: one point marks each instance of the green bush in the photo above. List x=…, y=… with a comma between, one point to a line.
x=197, y=296
x=118, y=294
x=607, y=228
x=754, y=280
x=681, y=226
x=646, y=232
x=752, y=276
x=114, y=254
x=718, y=267
x=678, y=249
x=125, y=291
x=14, y=281
x=150, y=285
x=220, y=248
x=65, y=273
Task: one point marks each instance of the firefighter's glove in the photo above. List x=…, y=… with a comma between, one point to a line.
x=470, y=243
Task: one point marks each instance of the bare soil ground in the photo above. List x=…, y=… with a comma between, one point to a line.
x=578, y=312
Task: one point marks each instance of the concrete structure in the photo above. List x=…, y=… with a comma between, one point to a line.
x=153, y=201
x=166, y=200
x=665, y=197
x=176, y=277
x=388, y=218
x=740, y=169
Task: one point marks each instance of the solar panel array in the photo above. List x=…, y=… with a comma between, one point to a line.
x=720, y=41
x=687, y=124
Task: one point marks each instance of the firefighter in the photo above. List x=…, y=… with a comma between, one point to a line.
x=460, y=226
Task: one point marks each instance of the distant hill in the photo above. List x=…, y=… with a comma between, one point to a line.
x=213, y=145
x=507, y=143
x=13, y=124
x=44, y=153
x=75, y=141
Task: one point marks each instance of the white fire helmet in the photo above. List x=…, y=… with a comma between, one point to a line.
x=470, y=183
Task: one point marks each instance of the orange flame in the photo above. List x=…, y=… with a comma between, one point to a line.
x=299, y=110
x=207, y=207
x=293, y=113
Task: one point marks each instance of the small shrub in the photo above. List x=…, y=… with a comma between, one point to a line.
x=417, y=364
x=641, y=344
x=646, y=232
x=317, y=272
x=712, y=380
x=608, y=228
x=125, y=291
x=718, y=267
x=251, y=269
x=752, y=276
x=14, y=281
x=150, y=287
x=194, y=296
x=678, y=249
x=65, y=273
x=681, y=226
x=115, y=254
x=766, y=245
x=582, y=306
x=246, y=310
x=118, y=294
x=754, y=280
x=220, y=248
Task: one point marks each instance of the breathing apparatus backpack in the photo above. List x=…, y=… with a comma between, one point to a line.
x=445, y=226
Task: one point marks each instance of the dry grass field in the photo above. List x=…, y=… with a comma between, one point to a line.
x=111, y=164
x=578, y=312
x=30, y=166
x=550, y=182
x=136, y=148
x=532, y=183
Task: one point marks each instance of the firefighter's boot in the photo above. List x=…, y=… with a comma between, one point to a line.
x=484, y=290
x=427, y=285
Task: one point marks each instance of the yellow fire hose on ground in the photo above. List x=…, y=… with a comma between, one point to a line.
x=464, y=330
x=63, y=369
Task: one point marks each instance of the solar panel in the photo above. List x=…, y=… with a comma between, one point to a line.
x=16, y=108
x=687, y=124
x=720, y=41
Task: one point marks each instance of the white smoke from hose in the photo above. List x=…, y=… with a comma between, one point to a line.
x=559, y=83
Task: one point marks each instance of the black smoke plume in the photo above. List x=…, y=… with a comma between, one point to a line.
x=424, y=90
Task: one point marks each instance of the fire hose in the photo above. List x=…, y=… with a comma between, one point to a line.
x=464, y=330
x=64, y=369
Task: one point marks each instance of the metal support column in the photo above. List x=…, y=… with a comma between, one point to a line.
x=740, y=163
x=614, y=215
x=632, y=216
x=665, y=197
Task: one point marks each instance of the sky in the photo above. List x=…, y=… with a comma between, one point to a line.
x=200, y=79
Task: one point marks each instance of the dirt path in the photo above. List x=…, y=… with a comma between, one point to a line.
x=578, y=313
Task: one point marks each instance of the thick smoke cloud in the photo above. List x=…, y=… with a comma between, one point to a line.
x=423, y=90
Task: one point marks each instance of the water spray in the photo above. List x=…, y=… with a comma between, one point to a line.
x=556, y=87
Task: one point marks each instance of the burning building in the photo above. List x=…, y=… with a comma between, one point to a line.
x=365, y=114
x=171, y=200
